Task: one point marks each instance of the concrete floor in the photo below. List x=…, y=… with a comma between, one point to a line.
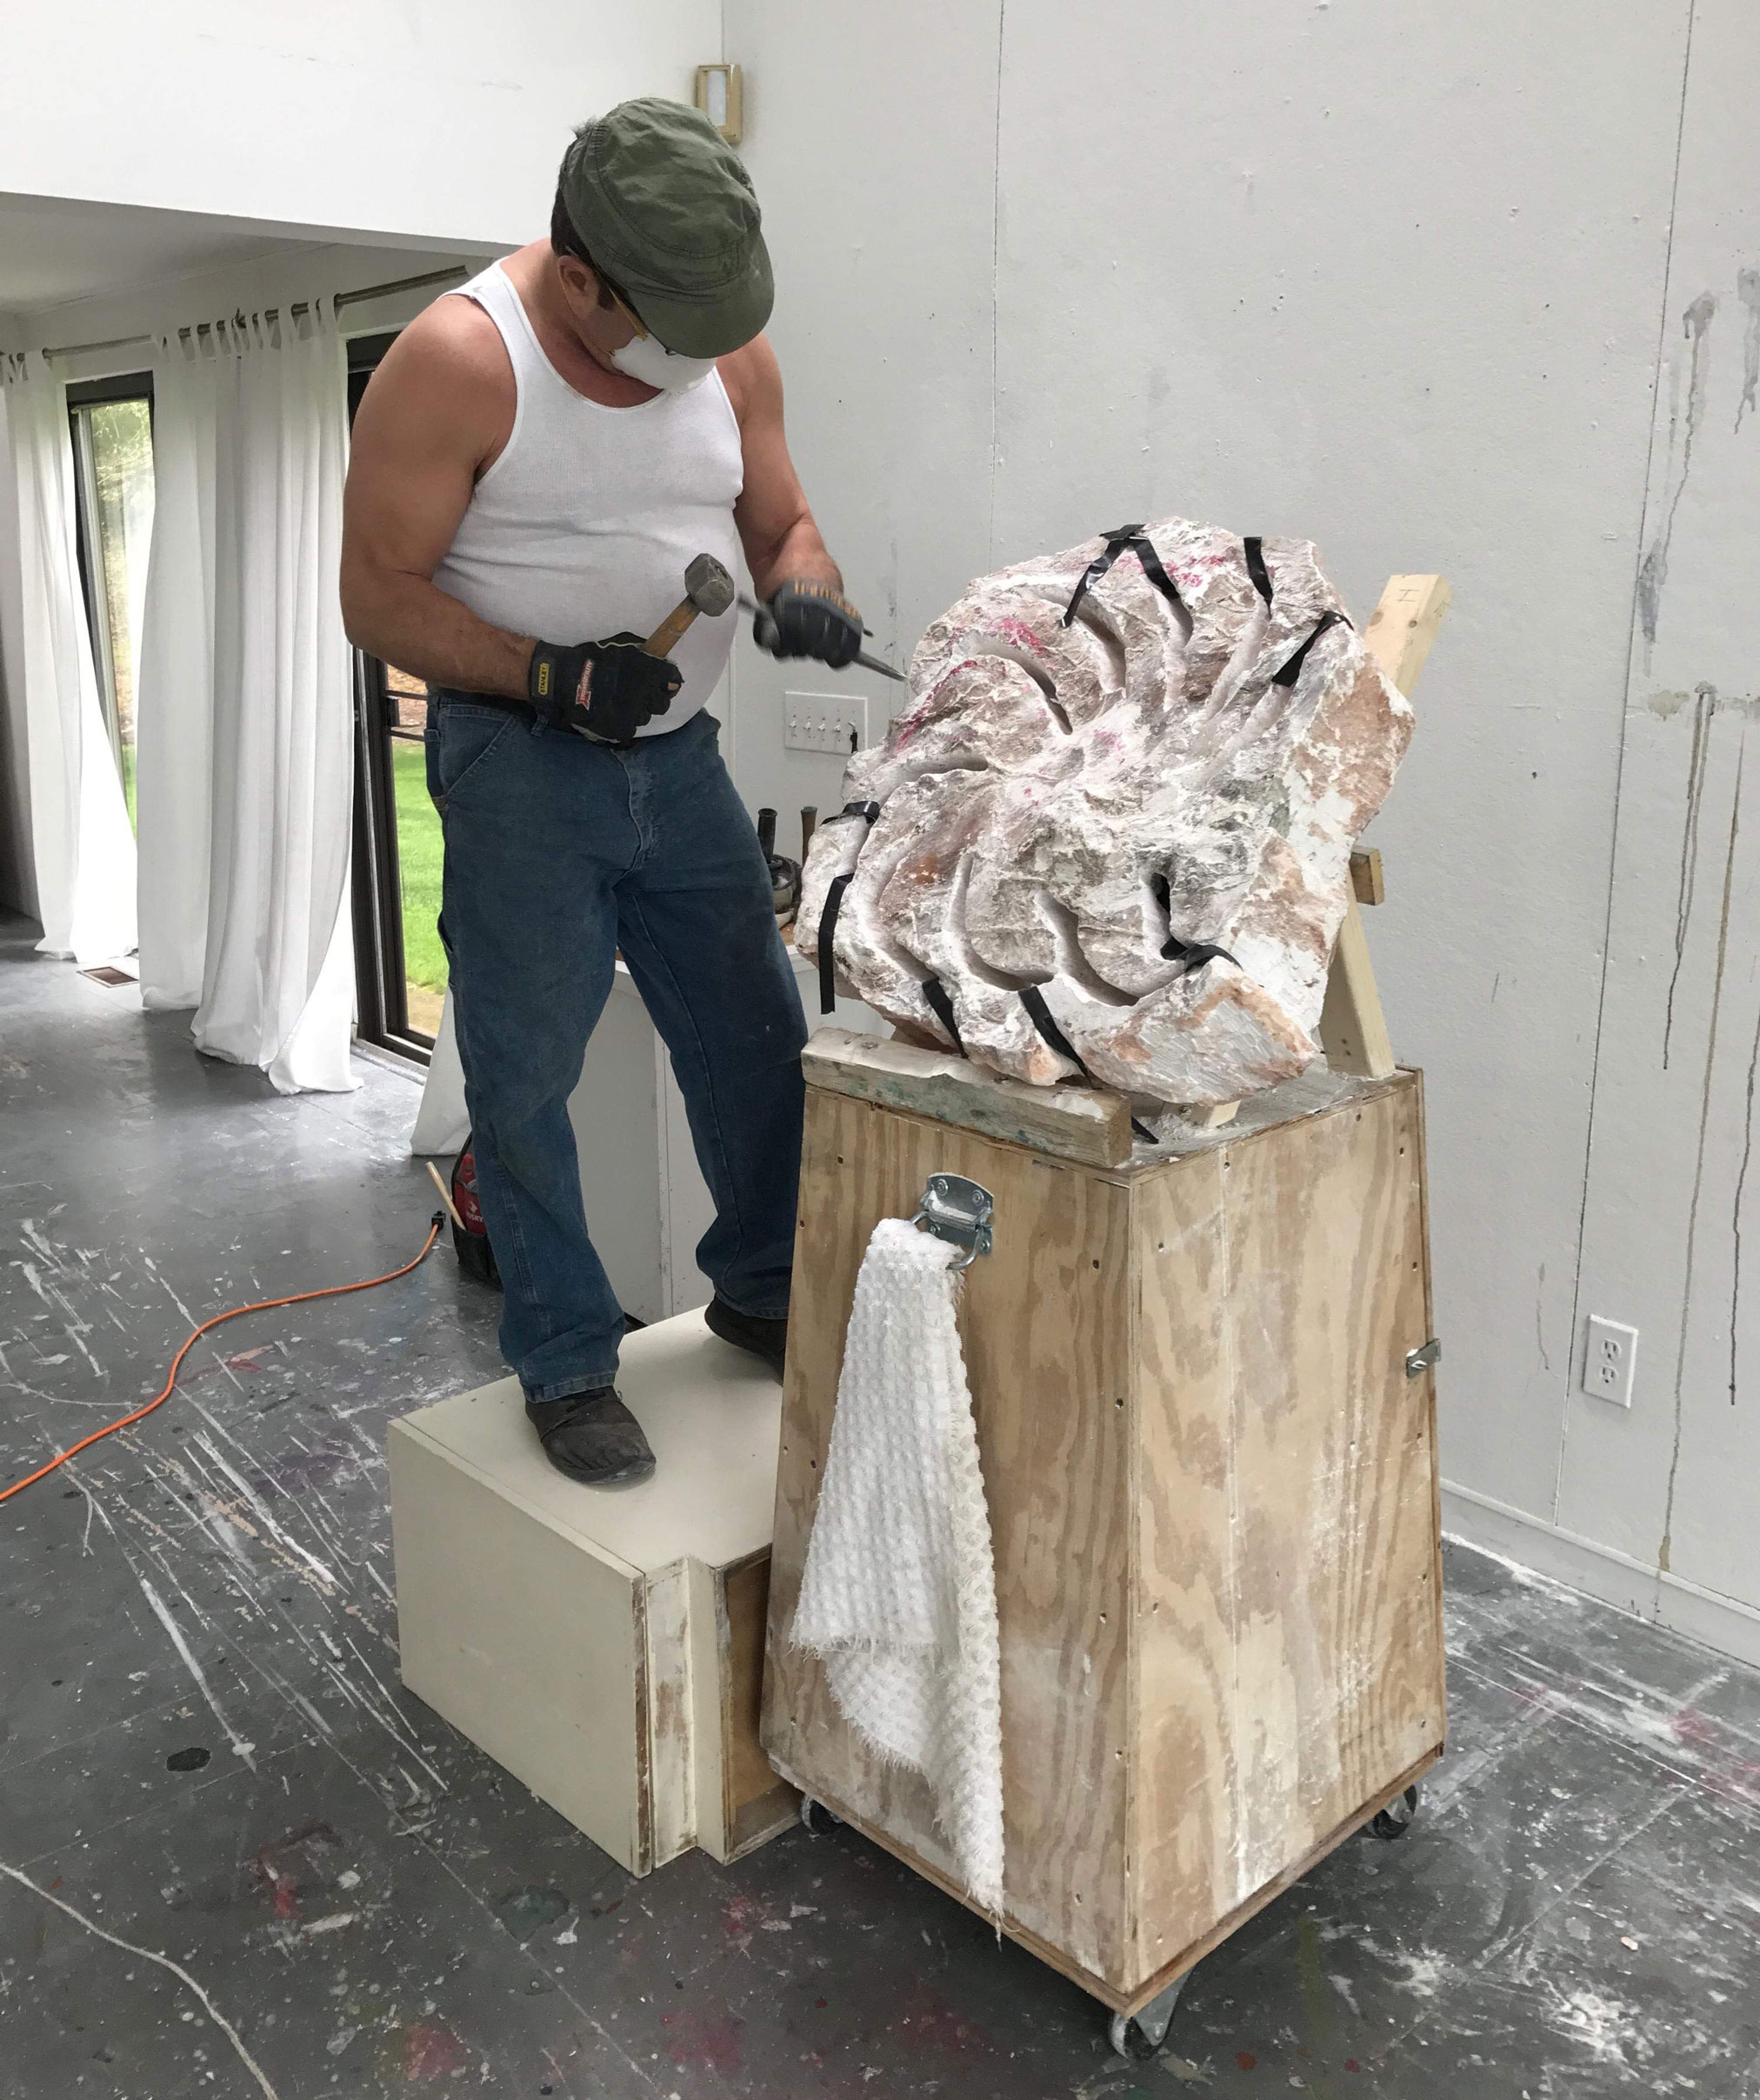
x=205, y=1752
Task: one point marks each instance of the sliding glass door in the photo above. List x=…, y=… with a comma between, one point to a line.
x=112, y=430
x=400, y=966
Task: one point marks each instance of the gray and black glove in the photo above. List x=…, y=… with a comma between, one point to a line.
x=604, y=690
x=807, y=619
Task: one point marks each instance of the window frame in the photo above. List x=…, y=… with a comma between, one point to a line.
x=382, y=1014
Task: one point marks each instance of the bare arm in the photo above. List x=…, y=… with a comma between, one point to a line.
x=776, y=526
x=435, y=413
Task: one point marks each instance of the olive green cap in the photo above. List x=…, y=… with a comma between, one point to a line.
x=661, y=199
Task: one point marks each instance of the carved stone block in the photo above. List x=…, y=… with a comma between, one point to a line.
x=1114, y=822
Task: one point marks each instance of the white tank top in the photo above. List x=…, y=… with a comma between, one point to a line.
x=584, y=526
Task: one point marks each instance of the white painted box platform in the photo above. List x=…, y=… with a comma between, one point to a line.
x=605, y=1644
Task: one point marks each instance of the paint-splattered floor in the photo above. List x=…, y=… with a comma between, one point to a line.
x=205, y=1754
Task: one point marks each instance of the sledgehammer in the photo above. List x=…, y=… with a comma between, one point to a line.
x=708, y=587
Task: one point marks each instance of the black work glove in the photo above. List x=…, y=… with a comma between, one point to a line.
x=604, y=690
x=807, y=619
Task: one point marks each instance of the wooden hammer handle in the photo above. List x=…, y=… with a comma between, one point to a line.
x=665, y=637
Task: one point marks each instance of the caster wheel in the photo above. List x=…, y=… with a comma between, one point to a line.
x=815, y=1816
x=1128, y=2040
x=1139, y=2035
x=1396, y=1818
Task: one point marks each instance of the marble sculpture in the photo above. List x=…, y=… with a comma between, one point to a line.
x=1111, y=829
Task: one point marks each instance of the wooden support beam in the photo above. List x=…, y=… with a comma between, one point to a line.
x=1402, y=628
x=1367, y=882
x=1352, y=1025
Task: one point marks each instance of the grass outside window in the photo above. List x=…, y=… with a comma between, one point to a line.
x=419, y=854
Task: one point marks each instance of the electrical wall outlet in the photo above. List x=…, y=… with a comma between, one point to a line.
x=1609, y=1357
x=824, y=721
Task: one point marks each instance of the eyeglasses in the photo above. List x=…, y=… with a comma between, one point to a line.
x=620, y=299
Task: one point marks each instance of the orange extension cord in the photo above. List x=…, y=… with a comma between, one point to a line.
x=330, y=1290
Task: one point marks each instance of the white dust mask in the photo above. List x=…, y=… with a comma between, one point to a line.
x=646, y=358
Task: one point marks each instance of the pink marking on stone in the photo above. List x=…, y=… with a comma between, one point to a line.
x=1017, y=631
x=907, y=725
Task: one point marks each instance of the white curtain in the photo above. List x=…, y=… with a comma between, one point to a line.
x=245, y=751
x=174, y=685
x=83, y=850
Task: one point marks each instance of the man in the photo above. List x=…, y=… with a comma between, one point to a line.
x=535, y=464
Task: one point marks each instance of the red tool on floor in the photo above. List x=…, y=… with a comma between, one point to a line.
x=469, y=1234
x=299, y=1298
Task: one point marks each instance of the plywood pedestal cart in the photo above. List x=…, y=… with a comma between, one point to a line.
x=1203, y=1375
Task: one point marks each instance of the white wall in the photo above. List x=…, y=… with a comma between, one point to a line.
x=425, y=120
x=871, y=137
x=1393, y=273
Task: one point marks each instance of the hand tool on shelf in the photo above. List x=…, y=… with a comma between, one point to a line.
x=785, y=874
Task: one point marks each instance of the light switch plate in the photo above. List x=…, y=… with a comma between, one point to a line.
x=834, y=723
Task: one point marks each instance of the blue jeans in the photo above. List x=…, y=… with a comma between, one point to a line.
x=559, y=852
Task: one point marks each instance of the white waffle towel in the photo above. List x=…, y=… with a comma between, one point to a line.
x=899, y=1598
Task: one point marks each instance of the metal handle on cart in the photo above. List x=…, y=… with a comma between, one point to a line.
x=959, y=1211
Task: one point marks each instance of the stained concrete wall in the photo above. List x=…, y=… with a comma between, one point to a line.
x=1415, y=281
x=1670, y=1486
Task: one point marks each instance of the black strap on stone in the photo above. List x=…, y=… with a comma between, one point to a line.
x=827, y=918
x=827, y=930
x=1118, y=540
x=1040, y=1015
x=942, y=1007
x=1287, y=676
x=1193, y=953
x=1256, y=568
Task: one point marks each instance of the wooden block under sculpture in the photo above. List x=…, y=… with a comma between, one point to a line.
x=1212, y=1489
x=606, y=1646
